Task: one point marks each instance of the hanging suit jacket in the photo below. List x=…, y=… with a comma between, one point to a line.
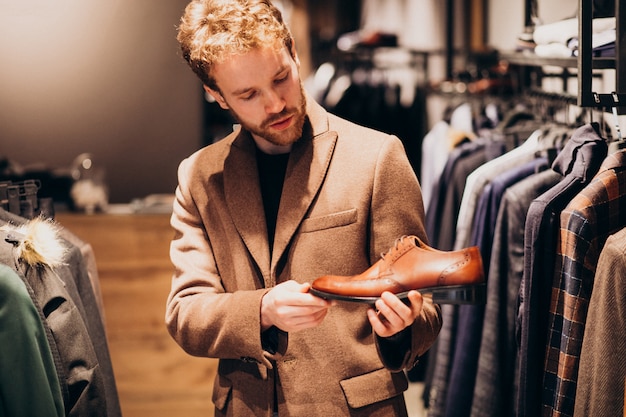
x=470, y=328
x=79, y=277
x=600, y=387
x=585, y=224
x=496, y=381
x=80, y=376
x=349, y=192
x=441, y=220
x=578, y=162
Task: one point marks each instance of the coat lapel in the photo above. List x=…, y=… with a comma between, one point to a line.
x=243, y=198
x=306, y=170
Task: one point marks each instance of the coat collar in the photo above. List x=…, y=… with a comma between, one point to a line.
x=306, y=169
x=582, y=154
x=614, y=160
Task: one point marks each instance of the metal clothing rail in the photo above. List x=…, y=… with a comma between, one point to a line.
x=564, y=98
x=586, y=96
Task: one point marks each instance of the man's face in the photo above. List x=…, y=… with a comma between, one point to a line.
x=262, y=90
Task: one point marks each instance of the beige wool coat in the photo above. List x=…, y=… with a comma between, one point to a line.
x=349, y=192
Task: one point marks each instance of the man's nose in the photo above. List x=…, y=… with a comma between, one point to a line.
x=274, y=102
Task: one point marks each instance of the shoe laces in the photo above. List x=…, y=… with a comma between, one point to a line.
x=398, y=249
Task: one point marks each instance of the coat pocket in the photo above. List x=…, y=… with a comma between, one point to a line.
x=342, y=218
x=375, y=386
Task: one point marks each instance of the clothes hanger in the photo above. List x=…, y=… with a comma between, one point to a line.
x=620, y=143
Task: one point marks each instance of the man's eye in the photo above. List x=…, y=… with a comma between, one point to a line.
x=248, y=97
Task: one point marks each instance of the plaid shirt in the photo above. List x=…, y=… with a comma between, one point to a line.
x=598, y=211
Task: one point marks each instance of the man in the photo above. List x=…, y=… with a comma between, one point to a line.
x=293, y=194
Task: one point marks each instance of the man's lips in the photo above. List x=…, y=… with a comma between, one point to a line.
x=282, y=124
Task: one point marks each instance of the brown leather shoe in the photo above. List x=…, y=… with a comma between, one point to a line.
x=452, y=277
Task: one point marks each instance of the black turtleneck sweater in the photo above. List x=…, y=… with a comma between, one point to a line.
x=271, y=176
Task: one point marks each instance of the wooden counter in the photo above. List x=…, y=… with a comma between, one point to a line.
x=155, y=378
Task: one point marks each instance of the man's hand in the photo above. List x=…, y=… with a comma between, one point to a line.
x=392, y=315
x=290, y=307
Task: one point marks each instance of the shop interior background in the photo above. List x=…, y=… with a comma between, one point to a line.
x=105, y=77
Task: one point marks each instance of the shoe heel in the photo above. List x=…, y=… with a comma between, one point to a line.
x=474, y=294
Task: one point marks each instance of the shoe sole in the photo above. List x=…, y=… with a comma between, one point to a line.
x=454, y=294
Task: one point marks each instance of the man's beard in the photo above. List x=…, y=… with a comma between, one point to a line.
x=284, y=137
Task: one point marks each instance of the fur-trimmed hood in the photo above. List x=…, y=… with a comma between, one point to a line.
x=37, y=242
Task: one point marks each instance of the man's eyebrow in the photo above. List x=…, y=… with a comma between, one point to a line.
x=242, y=91
x=281, y=70
x=247, y=89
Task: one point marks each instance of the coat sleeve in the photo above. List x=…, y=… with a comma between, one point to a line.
x=397, y=210
x=403, y=351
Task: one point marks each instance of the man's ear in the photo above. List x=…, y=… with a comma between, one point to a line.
x=217, y=96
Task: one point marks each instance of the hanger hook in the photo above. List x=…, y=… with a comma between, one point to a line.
x=615, y=116
x=617, y=127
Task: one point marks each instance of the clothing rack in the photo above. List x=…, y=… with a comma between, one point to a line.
x=564, y=98
x=364, y=57
x=21, y=198
x=587, y=97
x=585, y=63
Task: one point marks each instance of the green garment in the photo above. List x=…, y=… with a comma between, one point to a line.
x=28, y=380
